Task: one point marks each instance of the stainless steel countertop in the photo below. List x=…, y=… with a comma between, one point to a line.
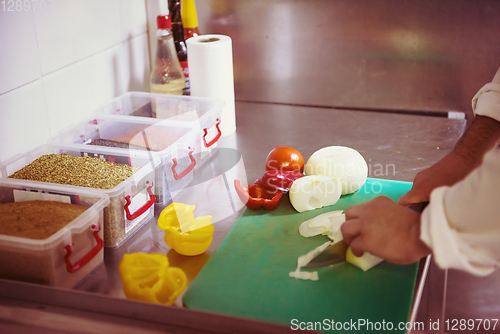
x=379, y=54
x=395, y=146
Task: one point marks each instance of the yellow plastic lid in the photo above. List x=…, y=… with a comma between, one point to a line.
x=188, y=14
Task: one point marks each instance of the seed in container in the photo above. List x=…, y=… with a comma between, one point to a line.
x=76, y=171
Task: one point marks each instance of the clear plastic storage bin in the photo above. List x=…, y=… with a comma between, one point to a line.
x=174, y=144
x=203, y=113
x=64, y=258
x=131, y=202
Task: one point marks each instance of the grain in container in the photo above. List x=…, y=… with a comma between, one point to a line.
x=174, y=144
x=131, y=201
x=64, y=258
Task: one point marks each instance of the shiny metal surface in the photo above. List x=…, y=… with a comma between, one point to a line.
x=381, y=54
x=472, y=297
x=333, y=254
x=433, y=303
x=396, y=146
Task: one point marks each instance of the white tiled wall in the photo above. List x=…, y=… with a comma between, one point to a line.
x=62, y=60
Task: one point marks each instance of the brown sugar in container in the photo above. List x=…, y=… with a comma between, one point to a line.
x=65, y=257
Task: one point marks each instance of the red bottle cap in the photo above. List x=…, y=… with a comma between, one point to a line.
x=163, y=22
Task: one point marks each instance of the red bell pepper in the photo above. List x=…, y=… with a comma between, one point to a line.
x=256, y=197
x=279, y=179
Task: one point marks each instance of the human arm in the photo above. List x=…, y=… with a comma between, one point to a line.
x=480, y=137
x=461, y=224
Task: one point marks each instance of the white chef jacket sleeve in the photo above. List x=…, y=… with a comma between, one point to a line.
x=462, y=223
x=487, y=101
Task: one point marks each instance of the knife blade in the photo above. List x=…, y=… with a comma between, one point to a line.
x=418, y=207
x=333, y=254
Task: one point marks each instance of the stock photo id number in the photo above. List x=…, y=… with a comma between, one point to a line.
x=24, y=5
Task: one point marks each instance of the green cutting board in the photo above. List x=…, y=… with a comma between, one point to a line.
x=247, y=276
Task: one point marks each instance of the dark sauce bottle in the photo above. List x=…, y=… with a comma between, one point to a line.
x=174, y=8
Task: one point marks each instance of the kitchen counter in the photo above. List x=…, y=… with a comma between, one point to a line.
x=395, y=146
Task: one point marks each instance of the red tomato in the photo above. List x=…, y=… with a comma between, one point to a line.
x=285, y=158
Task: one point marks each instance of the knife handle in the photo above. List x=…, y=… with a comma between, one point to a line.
x=418, y=207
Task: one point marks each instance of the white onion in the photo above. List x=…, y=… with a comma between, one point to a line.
x=340, y=162
x=322, y=224
x=304, y=260
x=313, y=192
x=329, y=224
x=364, y=262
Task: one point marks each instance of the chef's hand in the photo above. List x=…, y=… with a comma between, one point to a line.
x=384, y=229
x=446, y=172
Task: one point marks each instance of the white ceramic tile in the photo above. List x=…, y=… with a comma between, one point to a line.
x=71, y=30
x=65, y=97
x=133, y=18
x=100, y=28
x=136, y=64
x=19, y=63
x=103, y=77
x=23, y=120
x=57, y=26
x=116, y=71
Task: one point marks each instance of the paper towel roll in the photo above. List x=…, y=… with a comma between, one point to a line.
x=210, y=60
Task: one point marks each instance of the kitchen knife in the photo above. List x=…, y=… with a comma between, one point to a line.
x=333, y=254
x=419, y=207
